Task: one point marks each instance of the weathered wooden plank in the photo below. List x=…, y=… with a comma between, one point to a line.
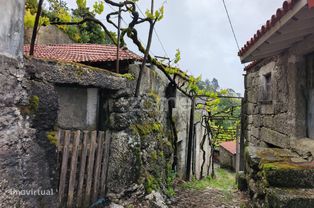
x=100, y=142
x=105, y=163
x=59, y=135
x=72, y=182
x=64, y=165
x=90, y=168
x=82, y=168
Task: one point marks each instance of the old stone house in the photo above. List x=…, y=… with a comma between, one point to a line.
x=278, y=108
x=73, y=87
x=228, y=154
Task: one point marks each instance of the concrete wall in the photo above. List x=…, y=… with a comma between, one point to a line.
x=78, y=108
x=11, y=28
x=283, y=120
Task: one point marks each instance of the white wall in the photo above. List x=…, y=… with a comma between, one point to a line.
x=12, y=28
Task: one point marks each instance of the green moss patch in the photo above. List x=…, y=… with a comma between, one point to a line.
x=128, y=76
x=52, y=137
x=280, y=166
x=146, y=129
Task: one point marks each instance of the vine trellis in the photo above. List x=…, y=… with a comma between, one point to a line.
x=180, y=80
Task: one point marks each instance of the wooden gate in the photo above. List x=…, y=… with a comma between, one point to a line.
x=84, y=157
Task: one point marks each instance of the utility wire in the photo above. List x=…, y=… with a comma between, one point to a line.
x=230, y=22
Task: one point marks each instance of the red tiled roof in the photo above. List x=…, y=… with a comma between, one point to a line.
x=80, y=52
x=286, y=6
x=230, y=146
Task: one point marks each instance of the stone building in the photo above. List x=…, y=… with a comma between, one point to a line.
x=278, y=108
x=73, y=87
x=227, y=155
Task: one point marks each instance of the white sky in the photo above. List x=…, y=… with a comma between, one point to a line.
x=200, y=29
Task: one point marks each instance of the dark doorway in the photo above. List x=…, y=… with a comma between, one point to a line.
x=310, y=102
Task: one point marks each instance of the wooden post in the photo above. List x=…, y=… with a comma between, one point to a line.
x=64, y=166
x=100, y=143
x=33, y=40
x=72, y=182
x=118, y=42
x=104, y=171
x=90, y=168
x=82, y=169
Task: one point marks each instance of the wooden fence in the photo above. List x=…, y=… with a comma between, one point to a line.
x=84, y=157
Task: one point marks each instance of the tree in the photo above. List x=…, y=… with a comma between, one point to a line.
x=31, y=6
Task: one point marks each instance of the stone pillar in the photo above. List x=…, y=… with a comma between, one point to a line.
x=11, y=28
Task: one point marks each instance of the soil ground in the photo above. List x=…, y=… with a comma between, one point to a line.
x=209, y=198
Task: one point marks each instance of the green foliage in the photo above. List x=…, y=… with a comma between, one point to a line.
x=171, y=176
x=81, y=4
x=31, y=5
x=34, y=103
x=98, y=7
x=158, y=15
x=224, y=181
x=177, y=56
x=151, y=183
x=29, y=19
x=52, y=137
x=154, y=155
x=58, y=11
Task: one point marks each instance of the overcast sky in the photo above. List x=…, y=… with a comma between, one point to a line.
x=200, y=29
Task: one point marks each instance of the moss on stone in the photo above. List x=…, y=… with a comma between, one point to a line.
x=52, y=137
x=148, y=104
x=34, y=103
x=146, y=129
x=154, y=155
x=161, y=154
x=280, y=166
x=127, y=76
x=31, y=108
x=155, y=96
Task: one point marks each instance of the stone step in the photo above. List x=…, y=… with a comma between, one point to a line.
x=289, y=198
x=289, y=174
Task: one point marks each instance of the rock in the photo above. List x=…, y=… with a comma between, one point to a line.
x=290, y=198
x=241, y=181
x=113, y=205
x=156, y=199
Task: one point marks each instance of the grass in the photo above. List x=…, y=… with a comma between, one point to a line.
x=224, y=181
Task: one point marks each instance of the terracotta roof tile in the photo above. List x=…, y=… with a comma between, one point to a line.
x=230, y=146
x=286, y=7
x=81, y=53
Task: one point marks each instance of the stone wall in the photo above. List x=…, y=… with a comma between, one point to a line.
x=281, y=122
x=276, y=130
x=282, y=119
x=142, y=147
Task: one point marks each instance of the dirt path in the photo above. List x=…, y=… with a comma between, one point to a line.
x=209, y=198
